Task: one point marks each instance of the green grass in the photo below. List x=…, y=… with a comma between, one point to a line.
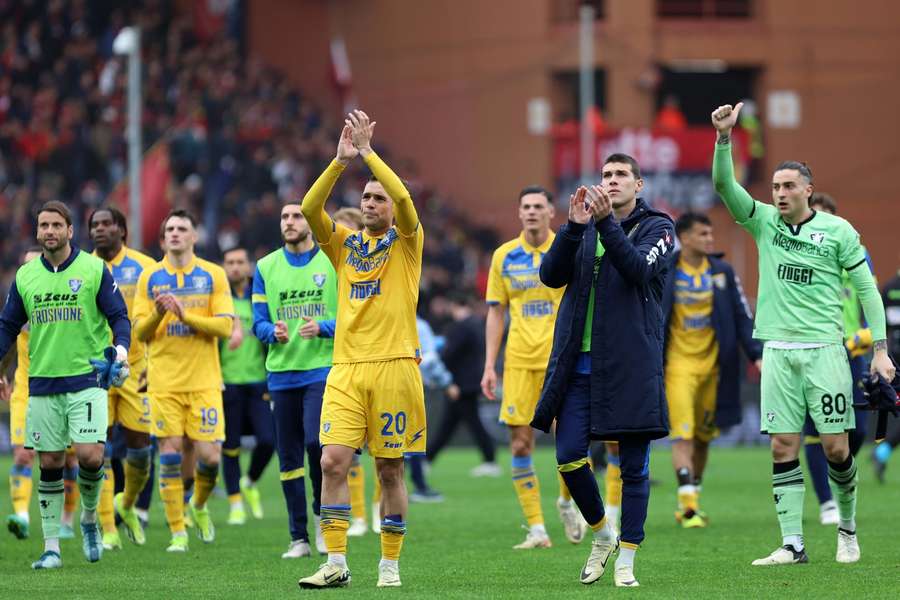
x=463, y=547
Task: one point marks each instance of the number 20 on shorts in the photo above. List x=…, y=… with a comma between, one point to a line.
x=398, y=422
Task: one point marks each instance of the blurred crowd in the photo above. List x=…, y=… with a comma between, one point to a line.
x=241, y=138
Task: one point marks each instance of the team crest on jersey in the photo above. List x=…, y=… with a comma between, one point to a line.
x=129, y=273
x=199, y=282
x=75, y=285
x=319, y=279
x=326, y=427
x=817, y=237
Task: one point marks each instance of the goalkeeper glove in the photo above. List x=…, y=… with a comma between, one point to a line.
x=860, y=343
x=113, y=369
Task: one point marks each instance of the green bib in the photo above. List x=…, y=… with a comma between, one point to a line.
x=247, y=363
x=67, y=327
x=589, y=320
x=293, y=293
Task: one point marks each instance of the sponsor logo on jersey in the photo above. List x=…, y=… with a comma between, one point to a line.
x=319, y=279
x=524, y=283
x=795, y=274
x=178, y=329
x=362, y=290
x=75, y=285
x=800, y=246
x=51, y=297
x=537, y=309
x=817, y=237
x=299, y=294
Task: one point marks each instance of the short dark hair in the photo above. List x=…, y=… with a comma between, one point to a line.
x=235, y=249
x=796, y=165
x=686, y=221
x=536, y=189
x=827, y=202
x=55, y=206
x=118, y=218
x=620, y=157
x=177, y=212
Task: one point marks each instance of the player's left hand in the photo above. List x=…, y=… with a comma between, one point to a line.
x=883, y=365
x=113, y=370
x=309, y=329
x=173, y=305
x=598, y=203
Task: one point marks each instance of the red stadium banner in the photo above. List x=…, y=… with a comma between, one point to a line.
x=676, y=165
x=155, y=198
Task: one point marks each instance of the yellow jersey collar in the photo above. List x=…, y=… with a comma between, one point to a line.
x=543, y=248
x=117, y=259
x=173, y=269
x=694, y=271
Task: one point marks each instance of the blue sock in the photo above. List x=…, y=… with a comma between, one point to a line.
x=818, y=471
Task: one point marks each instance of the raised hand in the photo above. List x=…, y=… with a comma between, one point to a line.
x=578, y=211
x=361, y=130
x=725, y=118
x=598, y=202
x=346, y=151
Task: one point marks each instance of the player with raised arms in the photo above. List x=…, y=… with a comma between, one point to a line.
x=374, y=391
x=802, y=256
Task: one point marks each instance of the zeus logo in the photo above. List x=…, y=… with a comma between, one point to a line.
x=365, y=289
x=661, y=247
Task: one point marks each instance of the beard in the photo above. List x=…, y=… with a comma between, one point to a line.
x=295, y=237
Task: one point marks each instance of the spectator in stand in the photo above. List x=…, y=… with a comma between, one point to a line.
x=670, y=117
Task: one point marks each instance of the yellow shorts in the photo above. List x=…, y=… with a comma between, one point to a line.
x=521, y=392
x=692, y=404
x=379, y=402
x=129, y=407
x=18, y=408
x=198, y=415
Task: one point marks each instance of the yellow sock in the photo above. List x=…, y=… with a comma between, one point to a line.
x=72, y=494
x=688, y=500
x=204, y=482
x=137, y=472
x=171, y=490
x=20, y=489
x=376, y=494
x=613, y=485
x=105, y=508
x=334, y=524
x=392, y=534
x=563, y=488
x=356, y=481
x=528, y=490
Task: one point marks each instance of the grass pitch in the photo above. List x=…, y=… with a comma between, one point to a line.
x=463, y=547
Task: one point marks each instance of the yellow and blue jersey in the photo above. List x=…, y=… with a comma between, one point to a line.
x=182, y=359
x=692, y=342
x=20, y=379
x=514, y=281
x=126, y=268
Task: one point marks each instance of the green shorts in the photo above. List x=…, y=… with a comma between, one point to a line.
x=54, y=422
x=814, y=380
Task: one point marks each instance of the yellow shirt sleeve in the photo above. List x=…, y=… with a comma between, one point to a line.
x=404, y=209
x=144, y=317
x=221, y=303
x=496, y=290
x=313, y=205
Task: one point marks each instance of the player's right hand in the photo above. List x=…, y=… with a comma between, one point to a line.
x=725, y=117
x=237, y=335
x=579, y=212
x=281, y=332
x=489, y=384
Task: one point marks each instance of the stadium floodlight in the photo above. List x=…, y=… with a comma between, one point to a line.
x=128, y=43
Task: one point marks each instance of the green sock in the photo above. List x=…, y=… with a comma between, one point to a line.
x=843, y=480
x=90, y=482
x=50, y=499
x=788, y=488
